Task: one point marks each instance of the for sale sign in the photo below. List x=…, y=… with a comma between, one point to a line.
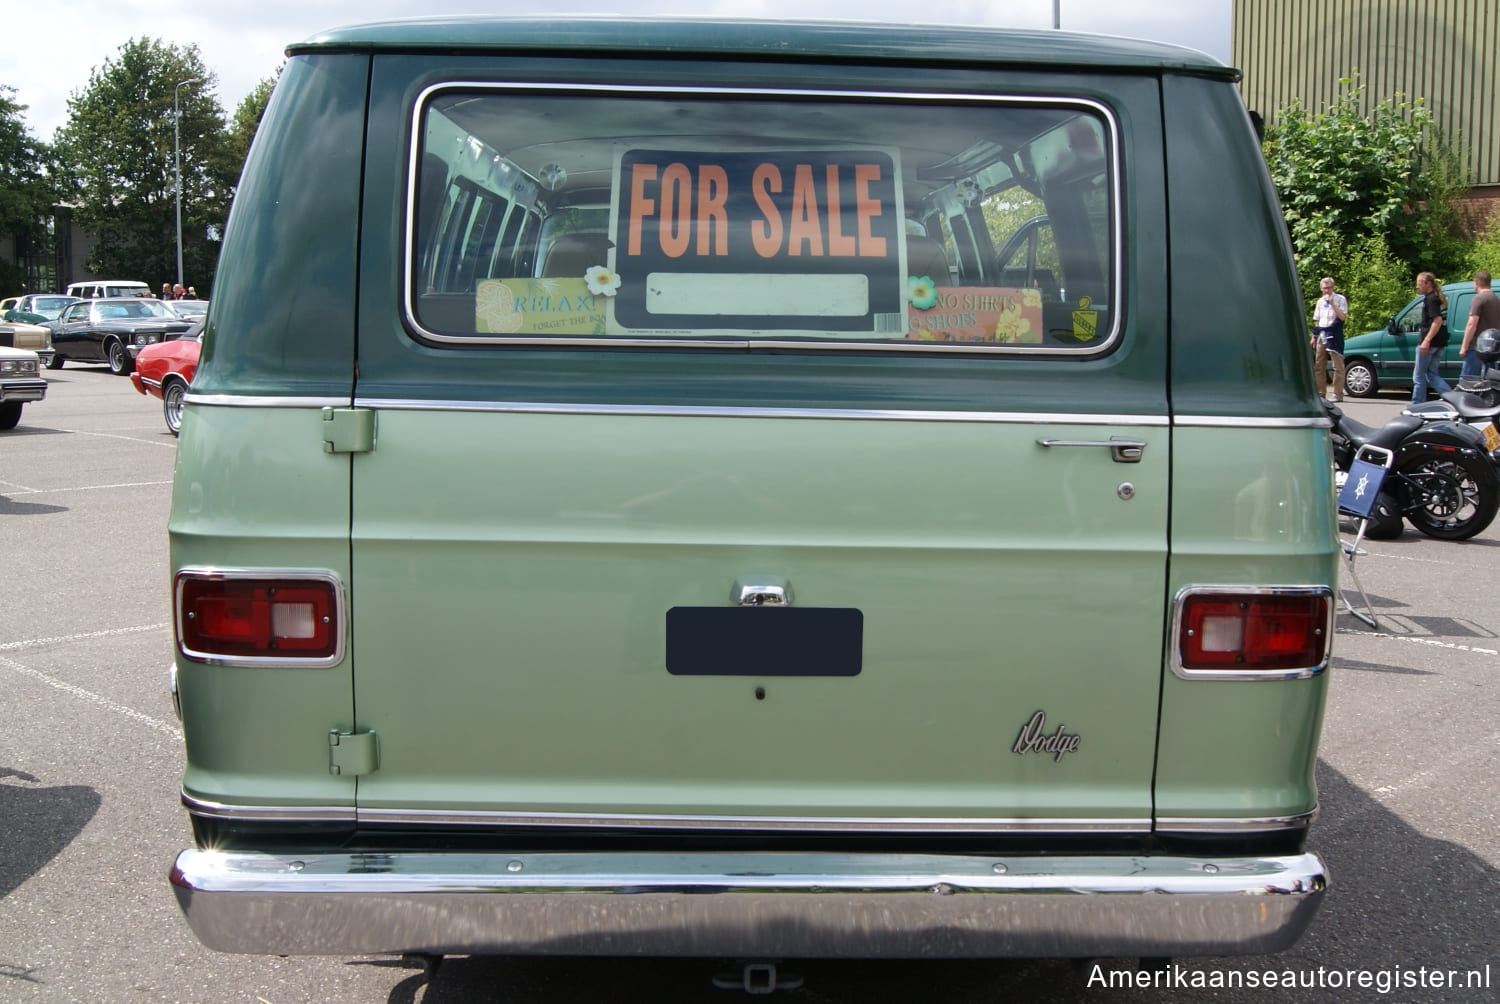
x=771, y=242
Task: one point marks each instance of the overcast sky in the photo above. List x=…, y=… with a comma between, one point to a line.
x=53, y=49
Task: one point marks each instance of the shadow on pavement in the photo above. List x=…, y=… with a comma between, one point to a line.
x=10, y=507
x=36, y=823
x=1398, y=899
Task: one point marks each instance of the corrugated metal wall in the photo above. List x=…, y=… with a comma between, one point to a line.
x=1444, y=51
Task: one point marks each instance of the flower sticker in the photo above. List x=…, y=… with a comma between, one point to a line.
x=495, y=308
x=1031, y=297
x=1012, y=327
x=921, y=291
x=602, y=281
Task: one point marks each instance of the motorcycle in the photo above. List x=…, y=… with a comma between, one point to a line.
x=1474, y=401
x=1442, y=480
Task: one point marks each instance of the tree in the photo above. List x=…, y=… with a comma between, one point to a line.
x=1344, y=176
x=247, y=118
x=25, y=191
x=117, y=153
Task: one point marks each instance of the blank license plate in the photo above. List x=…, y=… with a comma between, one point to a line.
x=755, y=641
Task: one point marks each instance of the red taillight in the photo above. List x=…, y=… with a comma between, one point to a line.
x=235, y=617
x=1254, y=633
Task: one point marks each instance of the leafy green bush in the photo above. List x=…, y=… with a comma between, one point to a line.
x=1347, y=175
x=1485, y=252
x=1375, y=283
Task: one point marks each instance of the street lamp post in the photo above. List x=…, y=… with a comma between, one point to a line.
x=177, y=168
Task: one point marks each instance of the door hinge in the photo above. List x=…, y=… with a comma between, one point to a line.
x=352, y=753
x=348, y=430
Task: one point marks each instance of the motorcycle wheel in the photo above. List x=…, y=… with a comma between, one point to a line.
x=1385, y=519
x=1450, y=498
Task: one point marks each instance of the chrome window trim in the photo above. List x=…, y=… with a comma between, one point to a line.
x=340, y=601
x=1239, y=422
x=271, y=401
x=1117, y=235
x=709, y=411
x=1301, y=673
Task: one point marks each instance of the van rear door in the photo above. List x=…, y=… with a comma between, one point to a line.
x=719, y=479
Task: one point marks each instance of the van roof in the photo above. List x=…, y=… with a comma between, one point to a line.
x=821, y=40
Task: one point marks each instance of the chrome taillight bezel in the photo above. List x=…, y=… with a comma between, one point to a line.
x=269, y=577
x=1298, y=672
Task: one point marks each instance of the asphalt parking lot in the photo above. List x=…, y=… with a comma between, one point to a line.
x=90, y=758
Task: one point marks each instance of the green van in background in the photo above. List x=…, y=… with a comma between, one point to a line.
x=628, y=504
x=1386, y=359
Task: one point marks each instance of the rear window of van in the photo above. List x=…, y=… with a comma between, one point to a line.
x=582, y=216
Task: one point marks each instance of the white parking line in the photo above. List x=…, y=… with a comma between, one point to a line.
x=15, y=646
x=129, y=439
x=88, y=488
x=89, y=695
x=1419, y=641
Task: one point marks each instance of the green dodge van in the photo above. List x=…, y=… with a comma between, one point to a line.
x=627, y=504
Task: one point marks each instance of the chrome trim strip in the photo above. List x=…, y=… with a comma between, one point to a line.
x=434, y=817
x=252, y=401
x=822, y=824
x=269, y=813
x=751, y=904
x=1301, y=673
x=712, y=411
x=1099, y=108
x=1242, y=422
x=657, y=821
x=340, y=601
x=1211, y=824
x=709, y=411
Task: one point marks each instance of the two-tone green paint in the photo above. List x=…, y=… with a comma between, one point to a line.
x=1248, y=506
x=508, y=571
x=526, y=599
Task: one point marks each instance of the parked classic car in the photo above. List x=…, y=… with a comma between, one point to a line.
x=666, y=529
x=25, y=335
x=165, y=369
x=20, y=383
x=112, y=331
x=1386, y=358
x=188, y=309
x=99, y=289
x=45, y=305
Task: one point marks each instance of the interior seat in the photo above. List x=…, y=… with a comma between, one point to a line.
x=925, y=256
x=571, y=255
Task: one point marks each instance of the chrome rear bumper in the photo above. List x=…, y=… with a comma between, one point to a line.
x=757, y=905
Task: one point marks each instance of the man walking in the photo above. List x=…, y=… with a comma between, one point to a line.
x=1434, y=339
x=1484, y=313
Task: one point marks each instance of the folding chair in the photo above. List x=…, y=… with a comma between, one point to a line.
x=1357, y=499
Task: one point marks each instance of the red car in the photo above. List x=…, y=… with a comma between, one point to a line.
x=165, y=370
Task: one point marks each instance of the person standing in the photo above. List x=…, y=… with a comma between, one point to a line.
x=1484, y=313
x=1434, y=334
x=1329, y=314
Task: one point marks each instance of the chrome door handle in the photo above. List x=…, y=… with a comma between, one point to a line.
x=1124, y=451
